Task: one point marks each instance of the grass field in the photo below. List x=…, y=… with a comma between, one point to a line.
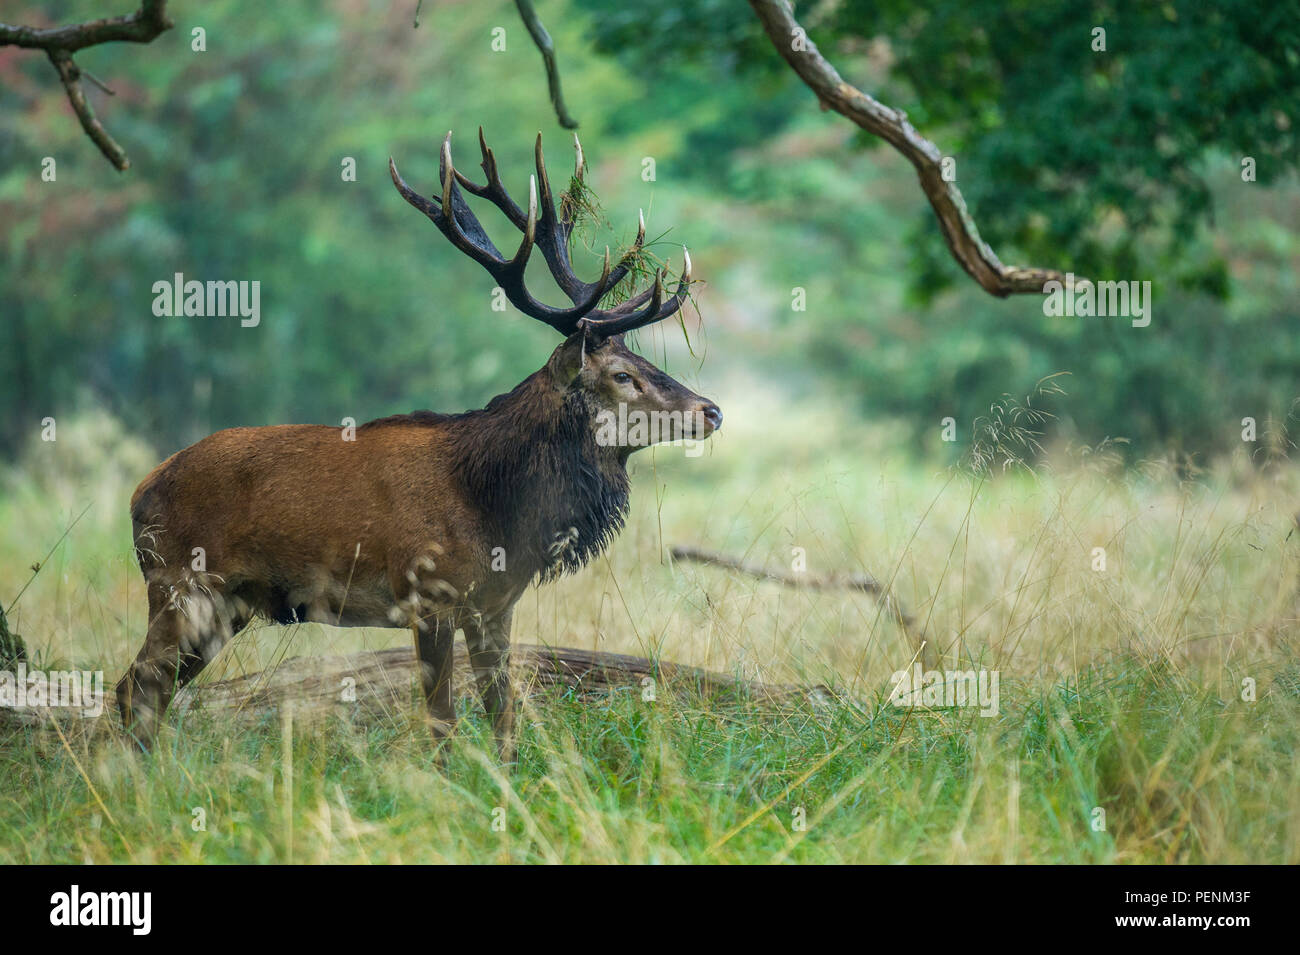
x=1122, y=734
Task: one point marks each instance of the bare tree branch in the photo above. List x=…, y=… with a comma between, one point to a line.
x=547, y=47
x=891, y=125
x=59, y=43
x=863, y=582
x=70, y=74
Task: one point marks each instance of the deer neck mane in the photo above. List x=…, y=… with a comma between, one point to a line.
x=530, y=462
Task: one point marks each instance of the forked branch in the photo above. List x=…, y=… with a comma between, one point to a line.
x=862, y=582
x=959, y=231
x=60, y=43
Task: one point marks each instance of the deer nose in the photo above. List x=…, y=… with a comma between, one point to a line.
x=713, y=414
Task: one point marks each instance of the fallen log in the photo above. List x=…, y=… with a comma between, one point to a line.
x=381, y=684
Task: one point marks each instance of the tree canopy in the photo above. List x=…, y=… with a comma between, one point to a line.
x=1123, y=163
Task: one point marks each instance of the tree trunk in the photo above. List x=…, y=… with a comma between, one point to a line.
x=12, y=649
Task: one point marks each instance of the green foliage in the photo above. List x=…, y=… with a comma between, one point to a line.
x=1108, y=163
x=366, y=309
x=1076, y=155
x=1122, y=164
x=1066, y=153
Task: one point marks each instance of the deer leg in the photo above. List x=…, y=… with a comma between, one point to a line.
x=424, y=600
x=489, y=654
x=146, y=688
x=433, y=651
x=188, y=626
x=203, y=638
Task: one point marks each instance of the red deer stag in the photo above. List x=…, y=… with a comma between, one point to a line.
x=437, y=522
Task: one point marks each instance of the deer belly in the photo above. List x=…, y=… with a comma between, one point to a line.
x=339, y=602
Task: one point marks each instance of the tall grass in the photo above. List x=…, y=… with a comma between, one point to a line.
x=1122, y=733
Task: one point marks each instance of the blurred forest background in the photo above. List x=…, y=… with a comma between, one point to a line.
x=1124, y=164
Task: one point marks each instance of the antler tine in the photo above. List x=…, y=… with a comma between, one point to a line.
x=530, y=232
x=600, y=287
x=454, y=210
x=446, y=172
x=625, y=262
x=489, y=163
x=493, y=190
x=553, y=240
x=579, y=171
x=629, y=316
x=543, y=182
x=410, y=195
x=657, y=292
x=637, y=244
x=480, y=249
x=620, y=271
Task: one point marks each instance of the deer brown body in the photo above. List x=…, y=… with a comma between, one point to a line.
x=436, y=522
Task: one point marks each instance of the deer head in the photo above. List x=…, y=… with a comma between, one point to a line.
x=632, y=403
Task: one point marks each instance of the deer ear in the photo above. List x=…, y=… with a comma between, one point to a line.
x=567, y=360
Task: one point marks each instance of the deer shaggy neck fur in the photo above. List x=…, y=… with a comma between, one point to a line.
x=530, y=461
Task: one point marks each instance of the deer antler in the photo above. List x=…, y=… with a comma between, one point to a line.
x=549, y=232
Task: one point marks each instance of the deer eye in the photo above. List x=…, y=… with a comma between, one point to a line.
x=622, y=377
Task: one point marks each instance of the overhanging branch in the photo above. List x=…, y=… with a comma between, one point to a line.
x=546, y=47
x=971, y=252
x=59, y=43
